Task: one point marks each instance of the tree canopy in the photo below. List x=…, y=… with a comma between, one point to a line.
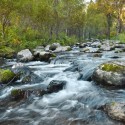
x=65, y=21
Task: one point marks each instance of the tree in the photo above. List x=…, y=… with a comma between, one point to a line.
x=107, y=7
x=118, y=7
x=6, y=9
x=95, y=21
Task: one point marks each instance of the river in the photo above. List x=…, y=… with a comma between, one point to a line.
x=79, y=103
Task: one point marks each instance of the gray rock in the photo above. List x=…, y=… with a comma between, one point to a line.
x=90, y=50
x=45, y=56
x=47, y=48
x=96, y=44
x=54, y=46
x=62, y=48
x=111, y=73
x=55, y=86
x=115, y=111
x=25, y=55
x=38, y=50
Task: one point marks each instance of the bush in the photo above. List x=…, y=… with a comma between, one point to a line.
x=121, y=37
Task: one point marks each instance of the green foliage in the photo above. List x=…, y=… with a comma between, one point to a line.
x=6, y=76
x=29, y=23
x=6, y=52
x=121, y=37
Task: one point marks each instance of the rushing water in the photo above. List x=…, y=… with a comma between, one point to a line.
x=77, y=104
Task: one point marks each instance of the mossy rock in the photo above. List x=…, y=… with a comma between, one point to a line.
x=111, y=73
x=6, y=76
x=110, y=67
x=17, y=94
x=7, y=52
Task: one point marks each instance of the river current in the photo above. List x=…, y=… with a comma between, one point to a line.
x=79, y=103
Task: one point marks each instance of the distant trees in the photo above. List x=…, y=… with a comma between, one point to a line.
x=50, y=20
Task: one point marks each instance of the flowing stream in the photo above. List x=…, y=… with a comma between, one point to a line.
x=77, y=104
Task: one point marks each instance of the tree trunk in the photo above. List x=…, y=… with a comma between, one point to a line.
x=51, y=32
x=108, y=25
x=3, y=31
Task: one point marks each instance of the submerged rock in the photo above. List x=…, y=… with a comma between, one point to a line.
x=55, y=86
x=116, y=110
x=25, y=55
x=111, y=73
x=6, y=75
x=25, y=75
x=18, y=94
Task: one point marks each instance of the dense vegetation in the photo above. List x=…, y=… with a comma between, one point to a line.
x=27, y=23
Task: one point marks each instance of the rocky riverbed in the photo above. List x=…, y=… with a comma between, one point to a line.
x=79, y=85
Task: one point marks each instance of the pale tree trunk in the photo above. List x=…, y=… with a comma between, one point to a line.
x=108, y=25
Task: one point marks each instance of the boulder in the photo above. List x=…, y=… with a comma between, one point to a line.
x=43, y=56
x=90, y=50
x=46, y=56
x=82, y=45
x=120, y=46
x=85, y=50
x=47, y=48
x=6, y=75
x=96, y=44
x=25, y=75
x=54, y=46
x=25, y=55
x=55, y=86
x=115, y=110
x=38, y=49
x=111, y=73
x=62, y=49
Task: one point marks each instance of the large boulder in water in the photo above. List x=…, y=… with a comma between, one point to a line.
x=115, y=110
x=111, y=73
x=6, y=75
x=55, y=86
x=25, y=55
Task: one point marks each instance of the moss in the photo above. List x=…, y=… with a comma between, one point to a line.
x=113, y=103
x=112, y=67
x=6, y=75
x=15, y=92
